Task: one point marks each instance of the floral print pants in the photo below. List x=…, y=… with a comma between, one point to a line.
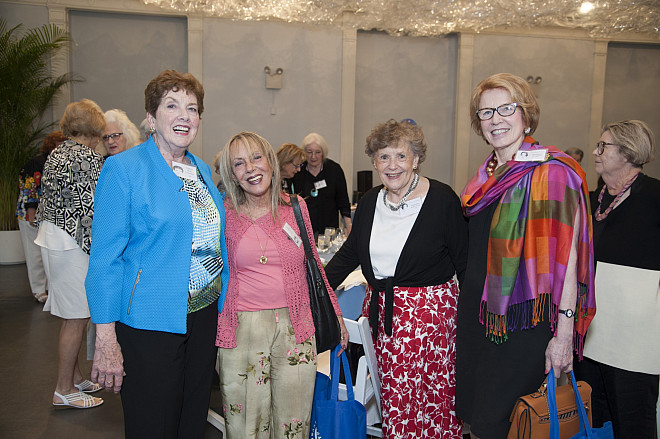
x=417, y=363
x=267, y=380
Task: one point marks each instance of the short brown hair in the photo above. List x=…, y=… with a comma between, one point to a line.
x=391, y=133
x=171, y=80
x=52, y=141
x=520, y=92
x=635, y=140
x=288, y=152
x=83, y=118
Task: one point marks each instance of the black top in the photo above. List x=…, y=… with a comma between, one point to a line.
x=490, y=377
x=332, y=198
x=630, y=235
x=435, y=249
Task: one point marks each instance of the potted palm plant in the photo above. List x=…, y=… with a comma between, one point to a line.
x=27, y=89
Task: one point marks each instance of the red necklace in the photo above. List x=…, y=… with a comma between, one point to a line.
x=601, y=216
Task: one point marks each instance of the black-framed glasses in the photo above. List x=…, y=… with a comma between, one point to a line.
x=107, y=137
x=503, y=110
x=298, y=167
x=600, y=146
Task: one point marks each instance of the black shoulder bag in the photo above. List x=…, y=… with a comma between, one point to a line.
x=326, y=325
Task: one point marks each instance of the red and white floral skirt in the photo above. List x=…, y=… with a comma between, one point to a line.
x=417, y=362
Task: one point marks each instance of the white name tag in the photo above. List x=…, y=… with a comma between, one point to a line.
x=320, y=184
x=535, y=155
x=184, y=171
x=292, y=234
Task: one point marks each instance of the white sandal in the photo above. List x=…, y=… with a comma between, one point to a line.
x=68, y=400
x=88, y=387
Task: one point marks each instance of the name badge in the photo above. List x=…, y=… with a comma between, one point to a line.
x=184, y=171
x=293, y=236
x=412, y=206
x=320, y=184
x=535, y=155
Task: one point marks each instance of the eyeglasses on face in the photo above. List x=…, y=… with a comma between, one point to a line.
x=298, y=166
x=114, y=136
x=600, y=146
x=503, y=110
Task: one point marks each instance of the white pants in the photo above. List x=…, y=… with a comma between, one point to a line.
x=33, y=260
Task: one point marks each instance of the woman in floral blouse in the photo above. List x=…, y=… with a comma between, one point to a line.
x=29, y=183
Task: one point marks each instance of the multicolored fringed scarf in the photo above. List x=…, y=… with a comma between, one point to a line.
x=530, y=241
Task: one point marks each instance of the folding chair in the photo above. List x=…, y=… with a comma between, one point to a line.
x=367, y=382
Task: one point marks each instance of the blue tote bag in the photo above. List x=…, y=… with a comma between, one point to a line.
x=331, y=418
x=586, y=432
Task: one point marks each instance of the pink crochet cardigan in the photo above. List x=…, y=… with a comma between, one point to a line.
x=293, y=272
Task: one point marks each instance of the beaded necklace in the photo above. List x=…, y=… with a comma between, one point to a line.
x=394, y=207
x=601, y=216
x=492, y=164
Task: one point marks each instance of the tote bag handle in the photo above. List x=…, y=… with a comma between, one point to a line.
x=334, y=366
x=552, y=407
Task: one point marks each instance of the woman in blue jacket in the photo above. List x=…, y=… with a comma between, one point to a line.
x=157, y=273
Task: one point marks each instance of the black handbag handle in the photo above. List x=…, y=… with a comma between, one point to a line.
x=313, y=268
x=301, y=227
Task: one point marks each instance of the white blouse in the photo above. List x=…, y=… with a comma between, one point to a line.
x=389, y=234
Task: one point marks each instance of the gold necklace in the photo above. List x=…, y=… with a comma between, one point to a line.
x=262, y=259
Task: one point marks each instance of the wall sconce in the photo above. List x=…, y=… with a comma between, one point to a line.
x=274, y=80
x=535, y=84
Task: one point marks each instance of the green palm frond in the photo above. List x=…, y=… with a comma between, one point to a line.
x=27, y=89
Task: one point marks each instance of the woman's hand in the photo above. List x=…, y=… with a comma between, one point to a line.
x=344, y=335
x=559, y=355
x=108, y=366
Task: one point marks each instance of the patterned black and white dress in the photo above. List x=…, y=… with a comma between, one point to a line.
x=65, y=219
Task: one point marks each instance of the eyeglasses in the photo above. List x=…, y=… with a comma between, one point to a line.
x=107, y=137
x=600, y=146
x=298, y=166
x=503, y=110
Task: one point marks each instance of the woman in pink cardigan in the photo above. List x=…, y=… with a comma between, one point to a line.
x=265, y=331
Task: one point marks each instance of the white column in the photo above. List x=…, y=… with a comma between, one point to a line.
x=196, y=67
x=462, y=123
x=348, y=72
x=597, y=99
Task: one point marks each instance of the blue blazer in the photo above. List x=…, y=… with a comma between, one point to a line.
x=141, y=242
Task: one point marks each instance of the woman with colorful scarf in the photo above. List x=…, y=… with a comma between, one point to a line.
x=528, y=295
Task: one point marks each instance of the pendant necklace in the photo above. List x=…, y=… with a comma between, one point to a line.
x=262, y=259
x=394, y=207
x=601, y=216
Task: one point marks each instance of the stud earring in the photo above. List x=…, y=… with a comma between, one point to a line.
x=527, y=130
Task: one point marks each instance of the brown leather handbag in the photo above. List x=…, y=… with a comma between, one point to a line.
x=530, y=418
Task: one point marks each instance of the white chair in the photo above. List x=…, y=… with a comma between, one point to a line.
x=367, y=382
x=214, y=417
x=217, y=421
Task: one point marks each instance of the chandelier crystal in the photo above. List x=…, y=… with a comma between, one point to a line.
x=438, y=17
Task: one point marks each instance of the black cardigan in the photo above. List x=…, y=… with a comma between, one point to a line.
x=630, y=235
x=435, y=249
x=331, y=199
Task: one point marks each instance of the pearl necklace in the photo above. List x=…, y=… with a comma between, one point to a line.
x=394, y=207
x=601, y=216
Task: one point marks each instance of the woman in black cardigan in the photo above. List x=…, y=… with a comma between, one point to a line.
x=410, y=238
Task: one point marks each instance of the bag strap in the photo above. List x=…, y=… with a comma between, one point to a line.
x=334, y=366
x=552, y=407
x=301, y=227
